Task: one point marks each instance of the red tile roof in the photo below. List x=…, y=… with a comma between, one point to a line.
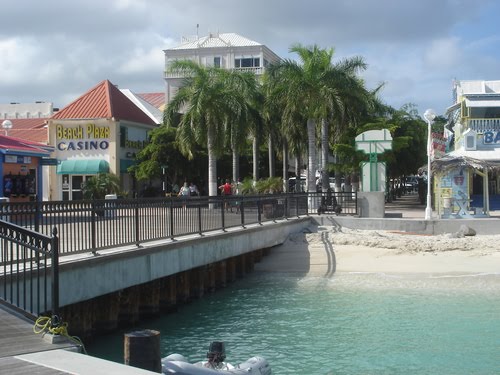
x=27, y=123
x=103, y=101
x=22, y=145
x=30, y=129
x=156, y=99
x=30, y=135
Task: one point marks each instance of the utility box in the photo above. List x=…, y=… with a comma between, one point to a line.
x=110, y=207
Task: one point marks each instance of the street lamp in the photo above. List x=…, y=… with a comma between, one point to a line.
x=429, y=115
x=6, y=125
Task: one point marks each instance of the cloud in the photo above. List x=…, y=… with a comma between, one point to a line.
x=55, y=51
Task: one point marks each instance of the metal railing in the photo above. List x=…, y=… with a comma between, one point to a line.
x=86, y=225
x=29, y=270
x=482, y=125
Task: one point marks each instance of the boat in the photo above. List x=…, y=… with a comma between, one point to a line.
x=178, y=364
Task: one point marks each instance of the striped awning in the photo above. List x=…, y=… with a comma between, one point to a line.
x=83, y=166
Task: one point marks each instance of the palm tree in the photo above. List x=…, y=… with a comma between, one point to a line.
x=316, y=88
x=210, y=100
x=244, y=84
x=98, y=186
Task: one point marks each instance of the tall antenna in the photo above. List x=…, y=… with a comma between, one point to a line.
x=197, y=28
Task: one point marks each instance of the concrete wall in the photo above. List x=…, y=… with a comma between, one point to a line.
x=440, y=226
x=117, y=269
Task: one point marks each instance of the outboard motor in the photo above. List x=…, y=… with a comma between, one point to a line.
x=216, y=354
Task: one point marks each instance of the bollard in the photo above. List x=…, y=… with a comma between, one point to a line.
x=142, y=349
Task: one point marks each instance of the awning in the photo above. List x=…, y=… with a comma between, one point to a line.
x=460, y=160
x=83, y=166
x=489, y=155
x=482, y=102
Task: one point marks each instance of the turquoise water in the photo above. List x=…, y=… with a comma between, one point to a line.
x=348, y=324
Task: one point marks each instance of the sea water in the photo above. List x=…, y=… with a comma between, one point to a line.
x=352, y=323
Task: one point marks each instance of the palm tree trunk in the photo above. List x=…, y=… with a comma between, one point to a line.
x=212, y=165
x=255, y=152
x=311, y=165
x=272, y=168
x=236, y=163
x=285, y=166
x=298, y=165
x=324, y=152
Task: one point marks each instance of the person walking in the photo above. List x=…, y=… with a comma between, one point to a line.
x=184, y=193
x=193, y=190
x=226, y=190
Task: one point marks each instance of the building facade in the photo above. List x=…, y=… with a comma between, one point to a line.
x=21, y=169
x=100, y=132
x=224, y=50
x=473, y=136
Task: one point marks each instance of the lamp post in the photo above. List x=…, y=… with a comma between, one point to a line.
x=429, y=115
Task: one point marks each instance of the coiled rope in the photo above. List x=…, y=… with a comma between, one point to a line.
x=54, y=326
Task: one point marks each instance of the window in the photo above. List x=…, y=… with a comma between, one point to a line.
x=217, y=61
x=123, y=136
x=247, y=62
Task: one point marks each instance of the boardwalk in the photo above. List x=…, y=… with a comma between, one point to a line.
x=17, y=338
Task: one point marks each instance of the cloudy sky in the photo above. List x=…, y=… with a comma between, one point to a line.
x=55, y=50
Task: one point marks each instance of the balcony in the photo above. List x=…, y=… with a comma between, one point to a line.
x=179, y=74
x=255, y=70
x=482, y=125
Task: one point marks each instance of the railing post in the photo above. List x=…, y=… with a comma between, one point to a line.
x=285, y=208
x=93, y=239
x=297, y=205
x=259, y=206
x=222, y=208
x=199, y=219
x=242, y=212
x=55, y=275
x=137, y=240
x=171, y=219
x=37, y=216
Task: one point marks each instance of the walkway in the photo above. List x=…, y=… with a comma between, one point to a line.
x=17, y=338
x=410, y=208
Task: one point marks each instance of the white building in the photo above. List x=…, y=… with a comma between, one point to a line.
x=227, y=50
x=26, y=110
x=469, y=173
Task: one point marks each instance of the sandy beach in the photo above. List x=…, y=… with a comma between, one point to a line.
x=324, y=251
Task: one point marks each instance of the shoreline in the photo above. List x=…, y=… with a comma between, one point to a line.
x=328, y=251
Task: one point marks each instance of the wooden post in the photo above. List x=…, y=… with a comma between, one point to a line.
x=142, y=349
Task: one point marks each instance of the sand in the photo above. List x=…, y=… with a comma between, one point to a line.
x=324, y=251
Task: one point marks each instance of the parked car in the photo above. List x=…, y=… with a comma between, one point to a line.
x=411, y=184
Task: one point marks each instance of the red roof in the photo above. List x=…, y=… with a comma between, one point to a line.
x=103, y=101
x=30, y=129
x=27, y=123
x=156, y=99
x=22, y=145
x=30, y=135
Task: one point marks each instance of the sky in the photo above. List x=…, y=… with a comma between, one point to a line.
x=56, y=50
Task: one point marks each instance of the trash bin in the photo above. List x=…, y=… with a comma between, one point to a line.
x=110, y=207
x=4, y=209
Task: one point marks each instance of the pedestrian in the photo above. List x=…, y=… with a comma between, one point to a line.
x=184, y=193
x=193, y=190
x=226, y=190
x=237, y=191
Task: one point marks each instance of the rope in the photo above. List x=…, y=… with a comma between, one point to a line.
x=54, y=326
